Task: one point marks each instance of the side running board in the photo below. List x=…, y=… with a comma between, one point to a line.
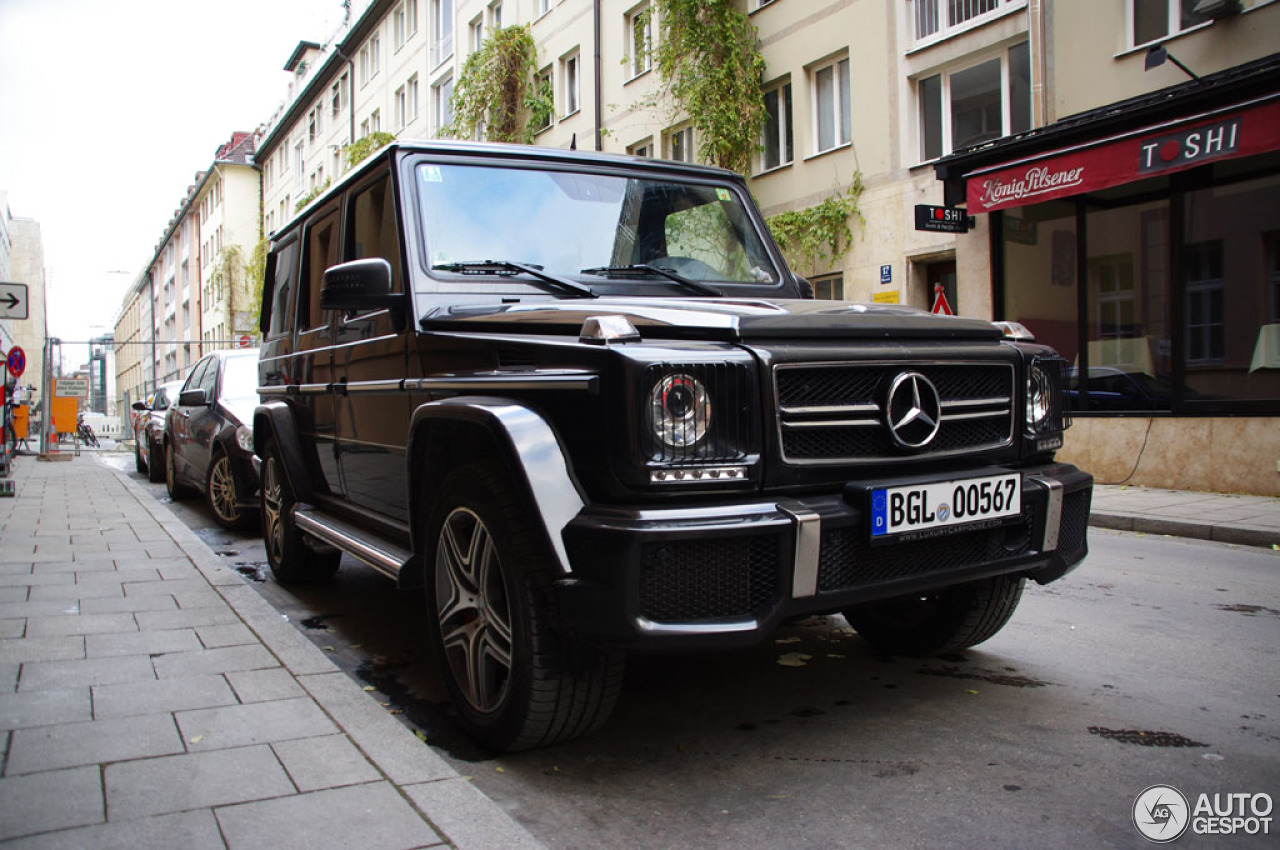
x=377, y=552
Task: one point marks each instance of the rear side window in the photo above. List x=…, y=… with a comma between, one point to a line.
x=322, y=248
x=282, y=286
x=372, y=229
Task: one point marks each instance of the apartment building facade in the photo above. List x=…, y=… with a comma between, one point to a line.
x=22, y=261
x=194, y=294
x=1137, y=231
x=904, y=98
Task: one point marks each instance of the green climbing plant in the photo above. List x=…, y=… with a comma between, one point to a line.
x=312, y=194
x=360, y=149
x=708, y=57
x=813, y=238
x=496, y=95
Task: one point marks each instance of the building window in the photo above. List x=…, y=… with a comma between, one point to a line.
x=777, y=147
x=399, y=26
x=544, y=6
x=640, y=26
x=335, y=96
x=300, y=163
x=544, y=85
x=831, y=105
x=475, y=36
x=1152, y=20
x=411, y=14
x=375, y=121
x=680, y=144
x=495, y=16
x=441, y=95
x=442, y=30
x=1272, y=272
x=644, y=148
x=413, y=97
x=939, y=19
x=828, y=287
x=364, y=65
x=402, y=108
x=1205, y=305
x=375, y=56
x=572, y=85
x=973, y=105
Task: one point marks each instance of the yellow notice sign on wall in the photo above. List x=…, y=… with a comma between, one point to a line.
x=890, y=297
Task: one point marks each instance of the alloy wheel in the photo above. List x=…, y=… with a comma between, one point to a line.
x=473, y=610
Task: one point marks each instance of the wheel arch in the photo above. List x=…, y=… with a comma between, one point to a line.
x=275, y=420
x=442, y=432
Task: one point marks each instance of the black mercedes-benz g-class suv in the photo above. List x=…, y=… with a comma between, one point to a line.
x=580, y=401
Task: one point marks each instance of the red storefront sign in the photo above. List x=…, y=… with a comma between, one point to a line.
x=1111, y=162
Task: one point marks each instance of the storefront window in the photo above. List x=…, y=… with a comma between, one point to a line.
x=1040, y=273
x=1129, y=344
x=1232, y=335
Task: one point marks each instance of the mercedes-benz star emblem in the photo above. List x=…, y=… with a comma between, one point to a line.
x=913, y=410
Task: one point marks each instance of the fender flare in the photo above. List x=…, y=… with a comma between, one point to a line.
x=276, y=418
x=528, y=444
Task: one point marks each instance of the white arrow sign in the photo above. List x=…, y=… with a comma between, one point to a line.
x=13, y=300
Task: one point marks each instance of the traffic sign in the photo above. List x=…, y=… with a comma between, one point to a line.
x=17, y=362
x=941, y=305
x=243, y=340
x=13, y=301
x=71, y=388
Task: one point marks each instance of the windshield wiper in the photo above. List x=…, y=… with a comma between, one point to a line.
x=692, y=285
x=508, y=267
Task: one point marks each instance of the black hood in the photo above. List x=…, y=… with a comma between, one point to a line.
x=720, y=319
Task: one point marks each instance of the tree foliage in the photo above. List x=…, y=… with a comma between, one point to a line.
x=813, y=238
x=709, y=59
x=496, y=89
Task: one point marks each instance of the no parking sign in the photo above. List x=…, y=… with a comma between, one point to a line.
x=17, y=361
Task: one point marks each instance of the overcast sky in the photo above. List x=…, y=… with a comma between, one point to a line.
x=108, y=108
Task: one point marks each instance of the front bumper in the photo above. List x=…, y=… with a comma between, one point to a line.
x=726, y=575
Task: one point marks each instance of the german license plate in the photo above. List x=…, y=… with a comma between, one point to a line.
x=941, y=506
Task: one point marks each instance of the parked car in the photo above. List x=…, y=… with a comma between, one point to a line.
x=148, y=430
x=207, y=444
x=580, y=401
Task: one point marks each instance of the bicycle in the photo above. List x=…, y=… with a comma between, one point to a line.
x=86, y=435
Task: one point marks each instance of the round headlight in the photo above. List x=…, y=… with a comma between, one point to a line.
x=679, y=411
x=1039, y=397
x=244, y=438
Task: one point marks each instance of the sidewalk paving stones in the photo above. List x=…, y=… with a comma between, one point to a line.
x=149, y=698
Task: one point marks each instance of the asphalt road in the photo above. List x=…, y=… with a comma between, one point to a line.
x=1154, y=663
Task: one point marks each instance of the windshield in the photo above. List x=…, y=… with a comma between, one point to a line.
x=574, y=224
x=240, y=378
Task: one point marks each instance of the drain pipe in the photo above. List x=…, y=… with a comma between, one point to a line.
x=595, y=26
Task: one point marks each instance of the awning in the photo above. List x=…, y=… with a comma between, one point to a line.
x=1242, y=129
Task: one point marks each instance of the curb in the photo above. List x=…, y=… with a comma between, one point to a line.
x=458, y=810
x=1215, y=532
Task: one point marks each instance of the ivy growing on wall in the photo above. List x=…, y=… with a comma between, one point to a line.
x=813, y=238
x=360, y=149
x=314, y=192
x=708, y=57
x=496, y=90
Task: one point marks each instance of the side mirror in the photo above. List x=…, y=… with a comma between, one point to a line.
x=194, y=398
x=139, y=405
x=359, y=285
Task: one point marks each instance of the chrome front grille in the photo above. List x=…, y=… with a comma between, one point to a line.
x=832, y=413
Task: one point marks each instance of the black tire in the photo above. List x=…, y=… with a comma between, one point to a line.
x=949, y=619
x=138, y=463
x=177, y=490
x=292, y=560
x=515, y=679
x=222, y=491
x=155, y=462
